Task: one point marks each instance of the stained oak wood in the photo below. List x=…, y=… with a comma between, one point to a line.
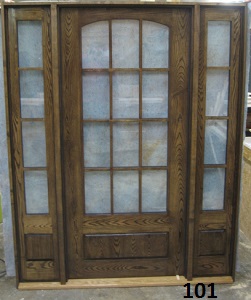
x=126, y=245
x=212, y=242
x=172, y=222
x=35, y=247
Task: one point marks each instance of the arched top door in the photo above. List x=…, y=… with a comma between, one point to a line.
x=125, y=100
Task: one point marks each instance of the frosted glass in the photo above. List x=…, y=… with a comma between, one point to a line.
x=125, y=144
x=217, y=90
x=30, y=50
x=218, y=43
x=155, y=42
x=125, y=43
x=213, y=189
x=96, y=96
x=32, y=94
x=154, y=144
x=126, y=192
x=36, y=192
x=154, y=188
x=125, y=95
x=155, y=95
x=97, y=145
x=215, y=142
x=95, y=45
x=97, y=192
x=34, y=145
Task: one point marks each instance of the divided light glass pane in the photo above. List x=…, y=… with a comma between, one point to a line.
x=97, y=144
x=95, y=45
x=217, y=89
x=125, y=44
x=155, y=95
x=36, y=192
x=126, y=191
x=125, y=95
x=30, y=50
x=218, y=44
x=34, y=144
x=96, y=95
x=155, y=45
x=125, y=144
x=154, y=144
x=97, y=193
x=215, y=142
x=213, y=189
x=154, y=191
x=32, y=94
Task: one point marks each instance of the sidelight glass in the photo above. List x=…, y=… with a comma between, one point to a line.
x=155, y=45
x=126, y=191
x=155, y=95
x=213, y=189
x=32, y=94
x=154, y=191
x=30, y=51
x=125, y=44
x=95, y=45
x=34, y=144
x=96, y=96
x=125, y=144
x=97, y=144
x=218, y=43
x=154, y=144
x=36, y=192
x=215, y=142
x=97, y=192
x=217, y=90
x=125, y=95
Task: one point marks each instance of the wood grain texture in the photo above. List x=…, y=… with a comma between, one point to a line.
x=126, y=245
x=40, y=270
x=123, y=282
x=39, y=247
x=212, y=242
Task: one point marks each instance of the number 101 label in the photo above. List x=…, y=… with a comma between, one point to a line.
x=200, y=290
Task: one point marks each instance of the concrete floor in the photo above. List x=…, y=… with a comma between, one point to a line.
x=240, y=290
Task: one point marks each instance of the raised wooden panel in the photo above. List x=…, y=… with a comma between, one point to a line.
x=39, y=246
x=126, y=245
x=208, y=266
x=212, y=242
x=40, y=270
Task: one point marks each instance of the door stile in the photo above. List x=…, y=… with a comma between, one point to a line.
x=193, y=142
x=57, y=142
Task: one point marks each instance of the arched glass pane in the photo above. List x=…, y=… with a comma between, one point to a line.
x=155, y=42
x=125, y=44
x=95, y=45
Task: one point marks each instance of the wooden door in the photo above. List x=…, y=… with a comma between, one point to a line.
x=125, y=103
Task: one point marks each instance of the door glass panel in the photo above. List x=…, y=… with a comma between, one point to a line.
x=97, y=145
x=95, y=45
x=30, y=51
x=125, y=44
x=126, y=191
x=125, y=144
x=217, y=93
x=154, y=191
x=213, y=189
x=34, y=146
x=154, y=144
x=215, y=142
x=97, y=192
x=96, y=96
x=36, y=192
x=125, y=95
x=32, y=94
x=155, y=95
x=155, y=46
x=218, y=43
